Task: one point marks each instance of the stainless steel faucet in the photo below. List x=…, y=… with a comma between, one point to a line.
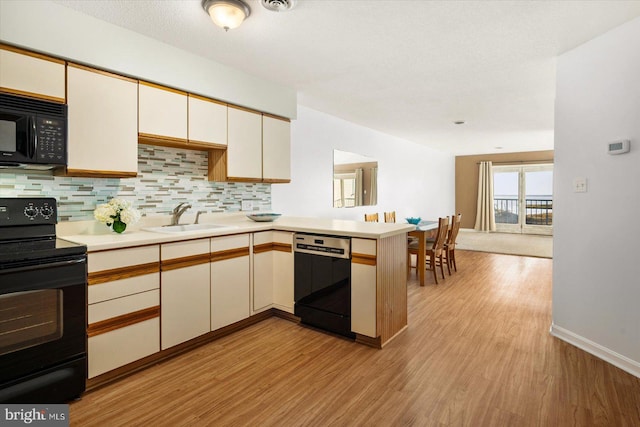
x=178, y=211
x=198, y=216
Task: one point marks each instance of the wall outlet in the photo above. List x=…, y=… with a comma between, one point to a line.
x=247, y=205
x=579, y=185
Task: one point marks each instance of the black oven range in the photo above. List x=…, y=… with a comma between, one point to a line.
x=43, y=315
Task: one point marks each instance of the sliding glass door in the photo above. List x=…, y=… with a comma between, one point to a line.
x=523, y=198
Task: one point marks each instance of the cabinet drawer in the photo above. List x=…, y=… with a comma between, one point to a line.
x=364, y=246
x=284, y=237
x=121, y=288
x=120, y=306
x=116, y=348
x=184, y=249
x=262, y=237
x=109, y=260
x=225, y=243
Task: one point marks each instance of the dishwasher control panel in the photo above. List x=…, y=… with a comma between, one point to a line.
x=317, y=244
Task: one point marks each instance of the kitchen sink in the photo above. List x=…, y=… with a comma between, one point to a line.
x=171, y=229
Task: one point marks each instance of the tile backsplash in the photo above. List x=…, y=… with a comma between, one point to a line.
x=166, y=177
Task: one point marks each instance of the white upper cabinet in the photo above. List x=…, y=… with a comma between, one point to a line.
x=276, y=149
x=259, y=149
x=244, y=150
x=103, y=123
x=162, y=114
x=30, y=74
x=207, y=122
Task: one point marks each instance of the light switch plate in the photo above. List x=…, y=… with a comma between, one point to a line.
x=579, y=185
x=247, y=205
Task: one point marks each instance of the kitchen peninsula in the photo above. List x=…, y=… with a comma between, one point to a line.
x=155, y=294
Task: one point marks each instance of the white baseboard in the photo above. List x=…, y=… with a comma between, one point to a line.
x=618, y=360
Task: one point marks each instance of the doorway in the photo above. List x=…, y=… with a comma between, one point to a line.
x=523, y=198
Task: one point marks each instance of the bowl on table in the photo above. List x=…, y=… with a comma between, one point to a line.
x=414, y=220
x=263, y=216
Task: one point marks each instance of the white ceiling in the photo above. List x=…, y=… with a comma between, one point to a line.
x=408, y=68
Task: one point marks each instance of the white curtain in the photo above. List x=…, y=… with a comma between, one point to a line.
x=485, y=215
x=373, y=195
x=358, y=195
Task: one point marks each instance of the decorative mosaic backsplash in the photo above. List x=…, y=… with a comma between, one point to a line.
x=166, y=177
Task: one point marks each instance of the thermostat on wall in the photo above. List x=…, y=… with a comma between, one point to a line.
x=619, y=147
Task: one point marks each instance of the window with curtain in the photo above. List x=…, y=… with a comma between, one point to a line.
x=485, y=215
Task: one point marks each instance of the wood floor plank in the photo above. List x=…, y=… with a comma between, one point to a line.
x=477, y=352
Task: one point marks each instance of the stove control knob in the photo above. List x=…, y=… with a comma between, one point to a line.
x=30, y=212
x=46, y=211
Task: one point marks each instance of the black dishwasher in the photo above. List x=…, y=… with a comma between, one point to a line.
x=322, y=282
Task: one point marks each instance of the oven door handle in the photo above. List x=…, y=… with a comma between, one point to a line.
x=56, y=264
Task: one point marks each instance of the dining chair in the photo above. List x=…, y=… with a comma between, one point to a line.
x=450, y=243
x=390, y=216
x=371, y=217
x=434, y=250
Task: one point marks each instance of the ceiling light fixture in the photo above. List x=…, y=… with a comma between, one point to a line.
x=227, y=14
x=458, y=122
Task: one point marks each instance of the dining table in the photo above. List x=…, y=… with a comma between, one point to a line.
x=424, y=230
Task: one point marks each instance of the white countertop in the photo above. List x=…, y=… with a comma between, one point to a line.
x=98, y=237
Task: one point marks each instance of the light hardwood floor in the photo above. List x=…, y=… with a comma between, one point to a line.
x=477, y=352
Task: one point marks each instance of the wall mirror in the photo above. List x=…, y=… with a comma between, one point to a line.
x=355, y=180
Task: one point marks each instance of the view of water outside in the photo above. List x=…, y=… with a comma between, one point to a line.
x=538, y=197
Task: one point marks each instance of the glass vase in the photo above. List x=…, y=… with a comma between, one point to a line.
x=118, y=226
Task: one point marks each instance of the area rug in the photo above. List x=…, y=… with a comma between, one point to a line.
x=506, y=243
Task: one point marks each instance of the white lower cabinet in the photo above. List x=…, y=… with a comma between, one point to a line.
x=124, y=307
x=119, y=347
x=273, y=271
x=283, y=272
x=185, y=303
x=363, y=287
x=148, y=298
x=263, y=270
x=230, y=279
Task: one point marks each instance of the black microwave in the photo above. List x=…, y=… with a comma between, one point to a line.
x=33, y=133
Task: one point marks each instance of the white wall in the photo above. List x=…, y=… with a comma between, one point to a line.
x=51, y=28
x=413, y=180
x=596, y=265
